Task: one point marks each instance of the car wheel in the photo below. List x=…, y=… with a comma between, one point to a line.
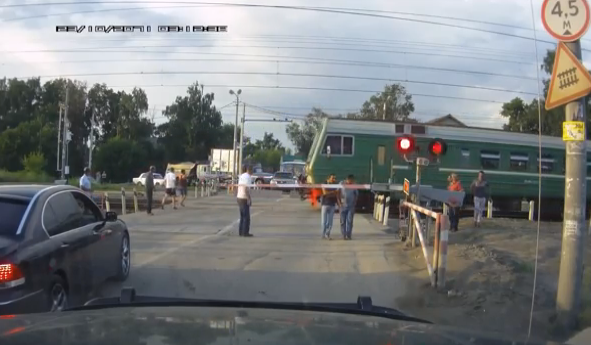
x=124, y=262
x=57, y=294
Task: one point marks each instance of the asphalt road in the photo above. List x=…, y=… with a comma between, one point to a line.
x=195, y=252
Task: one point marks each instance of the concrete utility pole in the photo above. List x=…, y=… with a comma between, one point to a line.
x=242, y=135
x=573, y=226
x=234, y=153
x=91, y=140
x=59, y=139
x=65, y=133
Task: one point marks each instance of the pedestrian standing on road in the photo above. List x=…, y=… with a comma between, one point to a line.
x=454, y=209
x=330, y=199
x=85, y=183
x=150, y=189
x=480, y=191
x=348, y=209
x=183, y=186
x=170, y=181
x=244, y=202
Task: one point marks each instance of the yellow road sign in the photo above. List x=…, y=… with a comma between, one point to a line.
x=570, y=79
x=573, y=131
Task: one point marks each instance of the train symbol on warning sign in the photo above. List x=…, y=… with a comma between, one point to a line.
x=568, y=78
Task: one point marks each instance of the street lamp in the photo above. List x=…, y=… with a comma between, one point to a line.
x=237, y=94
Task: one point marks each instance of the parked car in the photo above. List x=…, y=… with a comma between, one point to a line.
x=261, y=178
x=56, y=246
x=281, y=178
x=141, y=181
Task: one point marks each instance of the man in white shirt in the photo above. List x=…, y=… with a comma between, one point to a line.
x=244, y=202
x=170, y=181
x=85, y=184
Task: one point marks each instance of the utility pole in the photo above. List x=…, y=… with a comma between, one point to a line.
x=573, y=226
x=91, y=140
x=242, y=135
x=65, y=133
x=237, y=94
x=59, y=139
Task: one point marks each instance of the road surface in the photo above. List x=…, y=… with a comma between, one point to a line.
x=195, y=252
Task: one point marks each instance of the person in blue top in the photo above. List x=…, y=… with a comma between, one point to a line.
x=330, y=198
x=348, y=209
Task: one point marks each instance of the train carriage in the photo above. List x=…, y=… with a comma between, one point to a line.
x=510, y=160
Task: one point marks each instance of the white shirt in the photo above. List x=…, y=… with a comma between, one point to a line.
x=170, y=180
x=85, y=183
x=242, y=188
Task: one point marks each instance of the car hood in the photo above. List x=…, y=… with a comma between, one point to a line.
x=207, y=325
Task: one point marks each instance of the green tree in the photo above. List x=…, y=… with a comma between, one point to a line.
x=398, y=104
x=302, y=136
x=34, y=162
x=121, y=158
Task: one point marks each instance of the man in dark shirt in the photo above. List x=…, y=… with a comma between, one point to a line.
x=330, y=198
x=348, y=209
x=150, y=188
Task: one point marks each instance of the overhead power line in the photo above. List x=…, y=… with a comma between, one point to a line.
x=305, y=88
x=102, y=50
x=329, y=62
x=333, y=10
x=88, y=39
x=308, y=75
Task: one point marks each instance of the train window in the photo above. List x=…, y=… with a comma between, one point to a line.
x=334, y=141
x=490, y=160
x=399, y=129
x=417, y=130
x=588, y=168
x=347, y=145
x=340, y=145
x=518, y=161
x=546, y=163
x=381, y=155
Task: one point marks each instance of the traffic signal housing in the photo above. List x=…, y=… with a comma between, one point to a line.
x=405, y=144
x=437, y=147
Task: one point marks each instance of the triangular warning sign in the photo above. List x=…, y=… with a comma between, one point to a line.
x=570, y=79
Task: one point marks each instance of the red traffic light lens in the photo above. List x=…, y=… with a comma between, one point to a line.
x=405, y=144
x=437, y=147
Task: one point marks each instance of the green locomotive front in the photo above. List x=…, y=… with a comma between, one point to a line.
x=510, y=160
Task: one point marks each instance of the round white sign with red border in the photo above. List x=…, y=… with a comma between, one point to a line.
x=566, y=20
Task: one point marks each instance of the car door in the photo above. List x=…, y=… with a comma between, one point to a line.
x=103, y=239
x=72, y=245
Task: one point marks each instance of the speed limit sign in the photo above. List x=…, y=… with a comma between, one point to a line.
x=565, y=20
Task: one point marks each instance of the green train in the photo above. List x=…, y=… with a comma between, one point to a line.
x=510, y=160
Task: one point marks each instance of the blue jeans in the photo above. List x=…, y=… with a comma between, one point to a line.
x=347, y=221
x=326, y=216
x=244, y=226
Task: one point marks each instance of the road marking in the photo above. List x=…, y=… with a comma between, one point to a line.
x=160, y=255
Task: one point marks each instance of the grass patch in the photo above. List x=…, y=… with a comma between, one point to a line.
x=24, y=177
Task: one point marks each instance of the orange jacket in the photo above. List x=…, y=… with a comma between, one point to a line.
x=455, y=187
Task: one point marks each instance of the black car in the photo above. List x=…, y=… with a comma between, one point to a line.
x=56, y=246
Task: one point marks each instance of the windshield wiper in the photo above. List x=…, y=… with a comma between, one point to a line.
x=364, y=305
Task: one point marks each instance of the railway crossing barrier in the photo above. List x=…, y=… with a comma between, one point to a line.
x=437, y=268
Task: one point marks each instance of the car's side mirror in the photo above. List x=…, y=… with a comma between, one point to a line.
x=110, y=216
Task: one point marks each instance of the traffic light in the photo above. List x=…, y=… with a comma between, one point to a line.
x=437, y=147
x=405, y=144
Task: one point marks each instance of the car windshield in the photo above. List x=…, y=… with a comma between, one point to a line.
x=11, y=214
x=433, y=155
x=283, y=175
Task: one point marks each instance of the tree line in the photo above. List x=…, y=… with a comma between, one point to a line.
x=126, y=138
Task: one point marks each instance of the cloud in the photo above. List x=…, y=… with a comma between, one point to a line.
x=278, y=43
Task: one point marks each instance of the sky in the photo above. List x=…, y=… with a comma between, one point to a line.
x=288, y=56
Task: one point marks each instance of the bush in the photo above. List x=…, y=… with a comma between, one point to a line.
x=34, y=162
x=24, y=177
